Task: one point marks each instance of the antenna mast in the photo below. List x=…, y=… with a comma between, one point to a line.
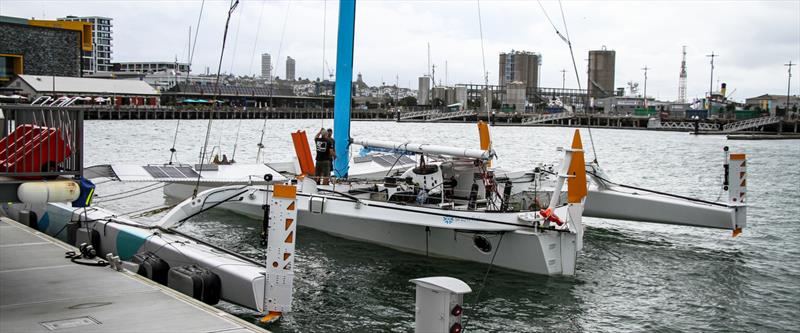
x=682, y=80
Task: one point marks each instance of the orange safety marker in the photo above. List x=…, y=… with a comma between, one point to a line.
x=576, y=186
x=303, y=152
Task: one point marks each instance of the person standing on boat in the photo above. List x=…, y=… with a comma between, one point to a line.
x=325, y=151
x=333, y=144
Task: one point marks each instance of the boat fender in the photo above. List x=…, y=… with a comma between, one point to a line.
x=549, y=215
x=198, y=282
x=151, y=266
x=268, y=177
x=44, y=192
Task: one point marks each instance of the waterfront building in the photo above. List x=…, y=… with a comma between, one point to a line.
x=266, y=66
x=601, y=73
x=119, y=92
x=771, y=103
x=424, y=91
x=290, y=69
x=151, y=67
x=99, y=58
x=42, y=47
x=522, y=66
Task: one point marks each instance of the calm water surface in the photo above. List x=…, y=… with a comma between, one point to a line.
x=631, y=276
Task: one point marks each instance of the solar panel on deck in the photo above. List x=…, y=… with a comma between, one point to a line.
x=187, y=171
x=162, y=172
x=362, y=159
x=172, y=172
x=383, y=161
x=155, y=171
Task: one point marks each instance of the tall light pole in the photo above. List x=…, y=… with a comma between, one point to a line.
x=711, y=83
x=563, y=79
x=645, y=85
x=789, y=85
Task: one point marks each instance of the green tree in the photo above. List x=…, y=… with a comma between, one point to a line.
x=408, y=101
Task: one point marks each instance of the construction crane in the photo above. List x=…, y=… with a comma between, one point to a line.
x=330, y=71
x=682, y=80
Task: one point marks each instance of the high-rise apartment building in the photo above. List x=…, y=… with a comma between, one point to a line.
x=99, y=58
x=520, y=66
x=289, y=68
x=266, y=66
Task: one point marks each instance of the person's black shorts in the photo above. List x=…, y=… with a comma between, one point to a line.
x=323, y=169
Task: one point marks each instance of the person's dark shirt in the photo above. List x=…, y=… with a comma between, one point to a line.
x=323, y=149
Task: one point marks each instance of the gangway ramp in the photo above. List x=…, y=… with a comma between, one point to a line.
x=750, y=123
x=450, y=115
x=543, y=118
x=688, y=125
x=435, y=115
x=417, y=114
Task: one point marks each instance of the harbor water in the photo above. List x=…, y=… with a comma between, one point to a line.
x=631, y=276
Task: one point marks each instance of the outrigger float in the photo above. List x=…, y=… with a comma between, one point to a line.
x=178, y=260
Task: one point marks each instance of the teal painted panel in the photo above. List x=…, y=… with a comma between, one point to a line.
x=128, y=243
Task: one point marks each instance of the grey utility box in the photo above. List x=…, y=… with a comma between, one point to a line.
x=439, y=306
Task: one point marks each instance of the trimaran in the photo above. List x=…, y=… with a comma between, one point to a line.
x=416, y=197
x=447, y=202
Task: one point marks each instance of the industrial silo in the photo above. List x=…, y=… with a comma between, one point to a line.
x=601, y=73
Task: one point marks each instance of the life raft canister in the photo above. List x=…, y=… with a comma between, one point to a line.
x=550, y=216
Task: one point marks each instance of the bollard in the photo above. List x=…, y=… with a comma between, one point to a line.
x=439, y=304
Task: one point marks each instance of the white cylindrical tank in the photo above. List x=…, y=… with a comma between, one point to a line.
x=44, y=191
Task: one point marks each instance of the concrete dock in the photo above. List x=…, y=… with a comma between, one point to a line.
x=42, y=291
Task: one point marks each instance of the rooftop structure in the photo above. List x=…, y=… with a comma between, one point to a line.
x=34, y=85
x=150, y=67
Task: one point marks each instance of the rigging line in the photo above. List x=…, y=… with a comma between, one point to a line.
x=485, y=74
x=255, y=42
x=272, y=80
x=577, y=78
x=234, y=3
x=486, y=275
x=131, y=195
x=236, y=141
x=128, y=191
x=236, y=41
x=172, y=150
x=196, y=32
x=324, y=30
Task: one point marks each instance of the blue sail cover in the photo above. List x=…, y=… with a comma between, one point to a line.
x=344, y=81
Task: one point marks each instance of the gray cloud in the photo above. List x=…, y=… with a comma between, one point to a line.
x=754, y=38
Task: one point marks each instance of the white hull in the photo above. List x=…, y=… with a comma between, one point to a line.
x=451, y=233
x=242, y=282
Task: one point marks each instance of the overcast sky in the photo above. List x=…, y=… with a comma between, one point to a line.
x=753, y=38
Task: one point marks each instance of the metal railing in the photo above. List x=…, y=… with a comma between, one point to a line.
x=417, y=114
x=689, y=125
x=541, y=118
x=41, y=141
x=750, y=123
x=448, y=115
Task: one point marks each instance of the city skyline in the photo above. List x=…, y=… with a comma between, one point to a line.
x=754, y=39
